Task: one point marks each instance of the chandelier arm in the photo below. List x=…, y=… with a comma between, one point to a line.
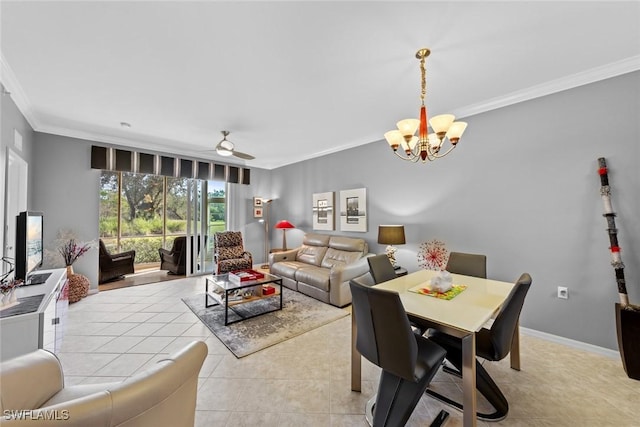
x=438, y=155
x=410, y=157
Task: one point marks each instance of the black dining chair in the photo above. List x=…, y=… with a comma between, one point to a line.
x=382, y=270
x=408, y=361
x=468, y=264
x=492, y=344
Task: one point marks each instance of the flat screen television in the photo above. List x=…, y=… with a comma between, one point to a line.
x=29, y=243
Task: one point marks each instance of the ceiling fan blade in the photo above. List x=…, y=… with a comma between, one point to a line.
x=244, y=156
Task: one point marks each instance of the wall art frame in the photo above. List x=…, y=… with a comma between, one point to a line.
x=324, y=211
x=353, y=210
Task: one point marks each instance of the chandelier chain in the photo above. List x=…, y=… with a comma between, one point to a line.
x=423, y=73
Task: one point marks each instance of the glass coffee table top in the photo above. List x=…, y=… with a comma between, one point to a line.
x=229, y=293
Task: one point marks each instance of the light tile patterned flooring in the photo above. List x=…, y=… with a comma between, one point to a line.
x=305, y=381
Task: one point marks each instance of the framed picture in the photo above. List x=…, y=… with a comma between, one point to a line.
x=353, y=210
x=257, y=212
x=257, y=202
x=323, y=211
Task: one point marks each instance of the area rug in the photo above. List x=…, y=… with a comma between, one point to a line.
x=299, y=314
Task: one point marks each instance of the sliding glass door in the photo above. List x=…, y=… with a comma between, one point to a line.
x=145, y=212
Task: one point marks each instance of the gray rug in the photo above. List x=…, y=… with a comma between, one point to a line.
x=299, y=314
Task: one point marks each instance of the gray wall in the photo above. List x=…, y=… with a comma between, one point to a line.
x=11, y=119
x=522, y=188
x=66, y=190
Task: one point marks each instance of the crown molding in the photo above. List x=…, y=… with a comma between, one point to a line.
x=12, y=85
x=592, y=75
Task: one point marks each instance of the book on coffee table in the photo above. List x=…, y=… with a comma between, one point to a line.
x=244, y=276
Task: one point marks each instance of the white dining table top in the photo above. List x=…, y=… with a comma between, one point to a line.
x=467, y=311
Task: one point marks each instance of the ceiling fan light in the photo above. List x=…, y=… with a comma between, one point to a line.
x=222, y=151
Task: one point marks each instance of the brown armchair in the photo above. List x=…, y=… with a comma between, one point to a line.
x=113, y=266
x=175, y=260
x=229, y=253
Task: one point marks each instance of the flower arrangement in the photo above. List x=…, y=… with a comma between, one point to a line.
x=71, y=251
x=7, y=285
x=433, y=255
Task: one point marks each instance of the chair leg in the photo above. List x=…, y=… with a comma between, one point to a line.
x=485, y=385
x=396, y=399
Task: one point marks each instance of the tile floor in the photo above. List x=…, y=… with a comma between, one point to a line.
x=305, y=381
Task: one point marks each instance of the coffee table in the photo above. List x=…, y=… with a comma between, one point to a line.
x=231, y=294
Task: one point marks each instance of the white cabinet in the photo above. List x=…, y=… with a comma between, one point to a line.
x=42, y=328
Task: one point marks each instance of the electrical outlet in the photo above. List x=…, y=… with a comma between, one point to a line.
x=563, y=292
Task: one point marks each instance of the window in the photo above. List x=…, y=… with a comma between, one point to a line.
x=145, y=212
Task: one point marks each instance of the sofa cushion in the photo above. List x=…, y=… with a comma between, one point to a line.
x=348, y=244
x=311, y=254
x=312, y=239
x=286, y=268
x=335, y=257
x=317, y=277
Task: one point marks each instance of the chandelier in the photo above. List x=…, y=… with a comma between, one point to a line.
x=425, y=146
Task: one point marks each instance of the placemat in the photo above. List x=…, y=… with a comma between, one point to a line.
x=450, y=294
x=25, y=305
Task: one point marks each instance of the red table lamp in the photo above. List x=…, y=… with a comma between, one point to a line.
x=284, y=224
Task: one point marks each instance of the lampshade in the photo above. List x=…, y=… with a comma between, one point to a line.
x=391, y=235
x=284, y=224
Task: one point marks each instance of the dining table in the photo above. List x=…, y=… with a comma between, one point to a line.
x=461, y=316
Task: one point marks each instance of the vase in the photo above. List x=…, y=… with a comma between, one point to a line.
x=628, y=327
x=13, y=297
x=69, y=270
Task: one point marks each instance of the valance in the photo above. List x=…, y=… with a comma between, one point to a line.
x=116, y=159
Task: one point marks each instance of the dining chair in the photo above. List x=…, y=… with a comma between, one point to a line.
x=492, y=344
x=408, y=361
x=467, y=264
x=382, y=270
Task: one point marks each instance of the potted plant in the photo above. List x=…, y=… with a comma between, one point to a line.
x=627, y=315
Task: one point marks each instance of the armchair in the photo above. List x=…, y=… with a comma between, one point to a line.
x=113, y=266
x=164, y=395
x=229, y=253
x=174, y=260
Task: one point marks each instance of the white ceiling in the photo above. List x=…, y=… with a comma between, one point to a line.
x=293, y=80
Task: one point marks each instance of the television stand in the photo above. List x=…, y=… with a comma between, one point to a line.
x=36, y=279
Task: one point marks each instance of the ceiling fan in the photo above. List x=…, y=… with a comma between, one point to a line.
x=227, y=148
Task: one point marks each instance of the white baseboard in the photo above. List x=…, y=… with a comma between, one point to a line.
x=602, y=351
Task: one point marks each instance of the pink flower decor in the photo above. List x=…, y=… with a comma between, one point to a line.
x=433, y=255
x=7, y=285
x=71, y=251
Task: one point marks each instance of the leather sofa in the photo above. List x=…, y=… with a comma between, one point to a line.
x=322, y=266
x=32, y=392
